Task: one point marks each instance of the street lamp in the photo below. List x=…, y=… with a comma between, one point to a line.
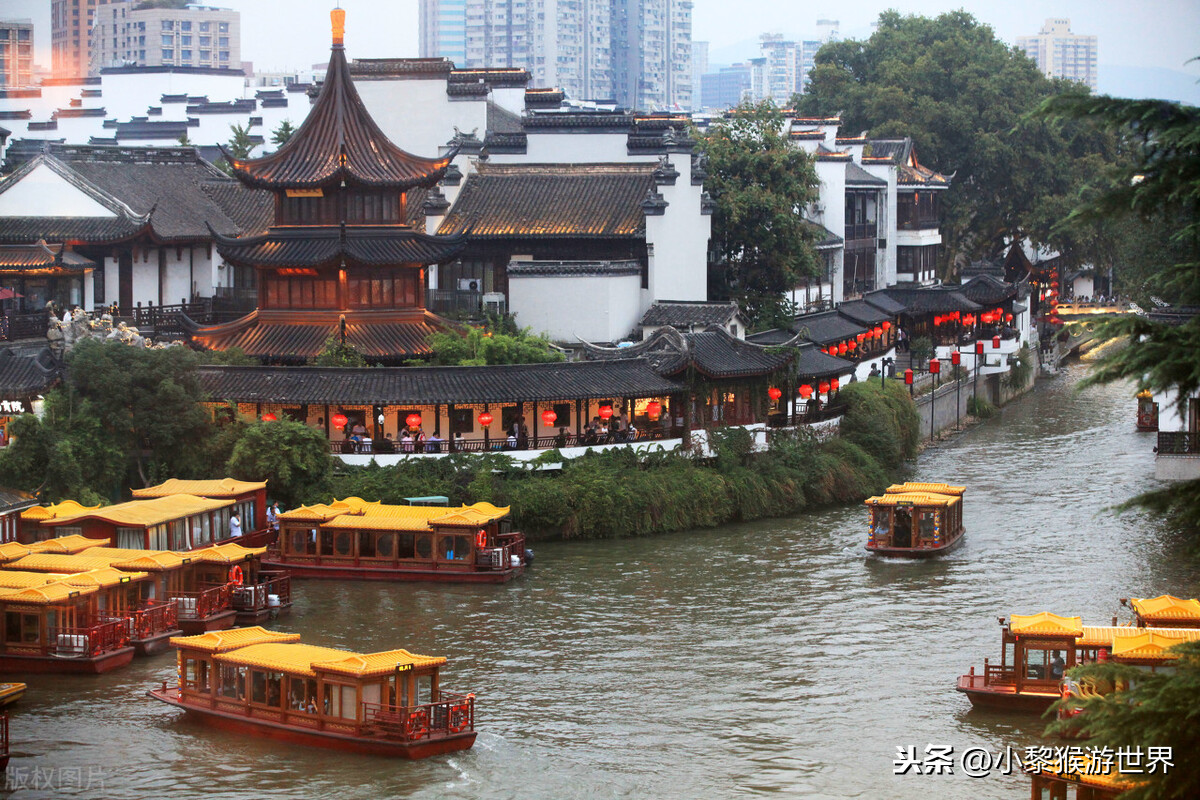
x=956, y=359
x=978, y=359
x=935, y=368
x=885, y=364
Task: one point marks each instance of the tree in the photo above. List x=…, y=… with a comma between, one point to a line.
x=184, y=141
x=965, y=98
x=292, y=457
x=761, y=184
x=283, y=133
x=1161, y=181
x=1155, y=709
x=483, y=345
x=241, y=142
x=336, y=353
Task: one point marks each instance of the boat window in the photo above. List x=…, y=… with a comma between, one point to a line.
x=178, y=534
x=406, y=545
x=233, y=682
x=195, y=674
x=158, y=538
x=454, y=548
x=366, y=544
x=928, y=523
x=883, y=522
x=424, y=689
x=341, y=543
x=1038, y=661
x=424, y=546
x=326, y=543
x=302, y=695
x=66, y=530
x=206, y=528
x=385, y=544
x=372, y=693
x=131, y=538
x=340, y=701
x=266, y=688
x=21, y=628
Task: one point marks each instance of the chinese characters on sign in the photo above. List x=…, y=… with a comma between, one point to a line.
x=976, y=762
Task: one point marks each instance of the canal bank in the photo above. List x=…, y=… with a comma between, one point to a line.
x=765, y=657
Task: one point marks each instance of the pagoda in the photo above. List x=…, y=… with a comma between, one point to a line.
x=340, y=259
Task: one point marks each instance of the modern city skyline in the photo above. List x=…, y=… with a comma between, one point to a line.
x=195, y=36
x=1059, y=53
x=16, y=53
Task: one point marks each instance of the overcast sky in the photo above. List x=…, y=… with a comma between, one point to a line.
x=295, y=33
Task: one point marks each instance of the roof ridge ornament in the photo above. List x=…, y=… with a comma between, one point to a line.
x=338, y=17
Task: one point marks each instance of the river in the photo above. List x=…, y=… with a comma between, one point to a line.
x=767, y=658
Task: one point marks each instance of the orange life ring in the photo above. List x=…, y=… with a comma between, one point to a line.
x=481, y=539
x=235, y=575
x=460, y=716
x=417, y=726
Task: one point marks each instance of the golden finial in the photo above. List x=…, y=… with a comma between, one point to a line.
x=338, y=16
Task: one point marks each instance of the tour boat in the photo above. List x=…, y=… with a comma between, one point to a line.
x=4, y=756
x=1164, y=611
x=55, y=627
x=1037, y=650
x=267, y=683
x=360, y=540
x=916, y=520
x=11, y=693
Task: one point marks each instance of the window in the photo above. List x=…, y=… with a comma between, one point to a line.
x=223, y=27
x=205, y=41
x=340, y=701
x=366, y=544
x=406, y=545
x=424, y=546
x=224, y=55
x=185, y=41
x=168, y=55
x=168, y=41
x=204, y=26
x=232, y=682
x=195, y=674
x=185, y=55
x=21, y=628
x=185, y=25
x=168, y=25
x=223, y=41
x=385, y=545
x=454, y=548
x=302, y=695
x=266, y=688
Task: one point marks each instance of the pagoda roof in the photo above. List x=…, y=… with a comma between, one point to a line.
x=713, y=352
x=338, y=143
x=296, y=336
x=327, y=245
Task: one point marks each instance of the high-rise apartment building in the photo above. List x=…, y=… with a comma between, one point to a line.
x=638, y=52
x=781, y=69
x=699, y=67
x=191, y=36
x=70, y=36
x=444, y=30
x=1062, y=54
x=16, y=53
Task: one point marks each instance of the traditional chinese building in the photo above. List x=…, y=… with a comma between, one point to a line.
x=340, y=259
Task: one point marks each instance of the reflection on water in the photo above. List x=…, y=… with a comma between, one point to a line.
x=771, y=657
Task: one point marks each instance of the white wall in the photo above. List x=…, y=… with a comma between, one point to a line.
x=593, y=308
x=44, y=193
x=679, y=265
x=145, y=278
x=561, y=147
x=832, y=198
x=417, y=115
x=885, y=260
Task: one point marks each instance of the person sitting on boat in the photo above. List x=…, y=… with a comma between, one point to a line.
x=1057, y=665
x=312, y=706
x=235, y=526
x=272, y=511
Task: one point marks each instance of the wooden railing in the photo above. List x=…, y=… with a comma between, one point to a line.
x=203, y=604
x=165, y=319
x=256, y=597
x=24, y=326
x=155, y=619
x=452, y=714
x=999, y=675
x=500, y=557
x=1178, y=443
x=498, y=443
x=88, y=641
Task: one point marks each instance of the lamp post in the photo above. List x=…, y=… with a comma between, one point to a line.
x=956, y=359
x=885, y=364
x=935, y=367
x=978, y=358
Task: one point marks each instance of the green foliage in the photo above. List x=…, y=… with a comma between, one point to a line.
x=761, y=184
x=184, y=141
x=292, y=457
x=233, y=357
x=883, y=421
x=1149, y=709
x=336, y=353
x=284, y=132
x=921, y=349
x=483, y=345
x=240, y=142
x=964, y=97
x=980, y=408
x=1020, y=367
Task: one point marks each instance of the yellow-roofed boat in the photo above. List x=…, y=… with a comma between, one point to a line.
x=268, y=683
x=11, y=693
x=916, y=520
x=360, y=540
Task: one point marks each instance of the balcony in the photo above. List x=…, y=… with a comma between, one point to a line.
x=1177, y=456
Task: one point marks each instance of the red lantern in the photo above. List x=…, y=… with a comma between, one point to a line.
x=996, y=342
x=979, y=348
x=654, y=409
x=878, y=332
x=413, y=420
x=937, y=321
x=774, y=393
x=908, y=376
x=269, y=417
x=485, y=419
x=1008, y=317
x=886, y=325
x=935, y=366
x=823, y=387
x=853, y=345
x=860, y=337
x=833, y=384
x=805, y=391
x=338, y=420
x=1055, y=321
x=842, y=349
x=605, y=412
x=956, y=358
x=548, y=416
x=986, y=319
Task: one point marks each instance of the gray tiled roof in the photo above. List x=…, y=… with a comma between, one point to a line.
x=931, y=300
x=714, y=353
x=681, y=314
x=857, y=176
x=826, y=327
x=863, y=313
x=23, y=377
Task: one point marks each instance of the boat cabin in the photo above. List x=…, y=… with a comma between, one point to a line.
x=1165, y=611
x=270, y=683
x=249, y=500
x=257, y=592
x=174, y=522
x=916, y=519
x=31, y=528
x=356, y=539
x=56, y=627
x=1035, y=652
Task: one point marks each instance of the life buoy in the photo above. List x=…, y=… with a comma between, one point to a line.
x=481, y=539
x=460, y=717
x=417, y=726
x=235, y=575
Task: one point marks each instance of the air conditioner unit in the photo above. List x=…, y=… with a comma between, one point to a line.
x=71, y=646
x=494, y=302
x=187, y=607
